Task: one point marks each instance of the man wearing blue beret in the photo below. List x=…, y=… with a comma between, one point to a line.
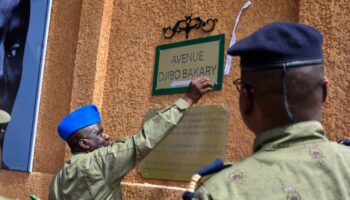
x=97, y=167
x=281, y=91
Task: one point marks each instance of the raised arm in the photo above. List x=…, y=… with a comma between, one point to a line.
x=121, y=156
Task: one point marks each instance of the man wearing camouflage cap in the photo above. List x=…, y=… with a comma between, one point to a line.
x=4, y=119
x=282, y=88
x=97, y=168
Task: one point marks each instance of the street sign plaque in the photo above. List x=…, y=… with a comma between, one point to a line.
x=178, y=63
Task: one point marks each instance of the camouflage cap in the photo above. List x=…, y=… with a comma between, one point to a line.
x=4, y=117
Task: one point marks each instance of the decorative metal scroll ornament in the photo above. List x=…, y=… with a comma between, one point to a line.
x=188, y=24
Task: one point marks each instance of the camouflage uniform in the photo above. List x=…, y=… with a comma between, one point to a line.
x=291, y=162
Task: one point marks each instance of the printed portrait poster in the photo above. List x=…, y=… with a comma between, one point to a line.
x=23, y=35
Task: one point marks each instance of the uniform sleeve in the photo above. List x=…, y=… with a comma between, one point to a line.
x=122, y=156
x=3, y=198
x=54, y=189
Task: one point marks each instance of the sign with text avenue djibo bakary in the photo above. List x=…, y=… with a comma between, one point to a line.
x=178, y=63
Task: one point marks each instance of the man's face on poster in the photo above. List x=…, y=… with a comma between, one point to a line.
x=14, y=21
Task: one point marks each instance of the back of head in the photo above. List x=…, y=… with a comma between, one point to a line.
x=293, y=95
x=283, y=62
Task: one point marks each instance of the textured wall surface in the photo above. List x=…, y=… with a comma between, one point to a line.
x=332, y=19
x=18, y=185
x=57, y=84
x=103, y=52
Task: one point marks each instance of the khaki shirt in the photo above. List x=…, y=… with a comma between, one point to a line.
x=97, y=175
x=292, y=162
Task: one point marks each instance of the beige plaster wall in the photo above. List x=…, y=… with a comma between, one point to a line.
x=333, y=20
x=102, y=52
x=57, y=84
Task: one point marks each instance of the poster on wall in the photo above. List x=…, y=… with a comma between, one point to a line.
x=23, y=36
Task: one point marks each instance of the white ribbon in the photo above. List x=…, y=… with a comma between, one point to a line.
x=233, y=38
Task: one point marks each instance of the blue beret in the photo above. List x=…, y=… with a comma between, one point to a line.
x=80, y=118
x=278, y=45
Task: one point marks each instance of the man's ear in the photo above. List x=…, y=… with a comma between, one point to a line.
x=84, y=144
x=325, y=89
x=325, y=92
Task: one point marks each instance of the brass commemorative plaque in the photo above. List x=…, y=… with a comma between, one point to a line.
x=195, y=142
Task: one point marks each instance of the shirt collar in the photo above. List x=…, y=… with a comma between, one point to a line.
x=290, y=135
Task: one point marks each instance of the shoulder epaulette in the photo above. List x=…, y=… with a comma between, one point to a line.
x=213, y=167
x=344, y=142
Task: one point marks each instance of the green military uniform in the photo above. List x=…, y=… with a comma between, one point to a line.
x=97, y=175
x=292, y=162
